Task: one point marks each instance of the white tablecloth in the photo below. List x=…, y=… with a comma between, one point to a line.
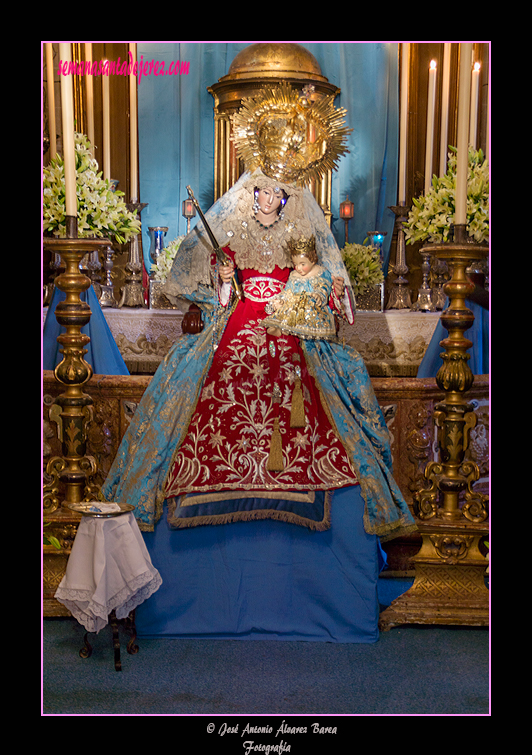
x=109, y=569
x=391, y=343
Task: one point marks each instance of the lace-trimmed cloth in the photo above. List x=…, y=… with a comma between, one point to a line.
x=109, y=569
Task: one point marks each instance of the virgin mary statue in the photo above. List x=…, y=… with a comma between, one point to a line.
x=238, y=425
x=215, y=434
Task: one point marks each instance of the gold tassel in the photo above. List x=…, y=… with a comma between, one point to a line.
x=297, y=410
x=275, y=459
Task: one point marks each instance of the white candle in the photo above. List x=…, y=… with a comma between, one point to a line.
x=431, y=113
x=51, y=98
x=403, y=121
x=488, y=110
x=133, y=126
x=475, y=82
x=90, y=96
x=106, y=127
x=67, y=113
x=444, y=133
x=462, y=146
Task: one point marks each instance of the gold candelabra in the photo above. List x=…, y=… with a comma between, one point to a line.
x=72, y=410
x=449, y=585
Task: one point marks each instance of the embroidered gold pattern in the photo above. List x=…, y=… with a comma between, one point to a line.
x=228, y=442
x=262, y=288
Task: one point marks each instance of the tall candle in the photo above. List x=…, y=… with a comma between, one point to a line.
x=475, y=81
x=90, y=96
x=403, y=121
x=67, y=118
x=444, y=133
x=462, y=146
x=106, y=127
x=431, y=114
x=488, y=123
x=133, y=126
x=51, y=98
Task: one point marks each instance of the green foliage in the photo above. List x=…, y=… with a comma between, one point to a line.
x=102, y=212
x=432, y=215
x=50, y=539
x=363, y=265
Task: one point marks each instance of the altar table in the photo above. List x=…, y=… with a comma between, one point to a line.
x=392, y=343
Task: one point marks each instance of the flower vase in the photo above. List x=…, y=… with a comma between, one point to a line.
x=157, y=234
x=372, y=299
x=157, y=299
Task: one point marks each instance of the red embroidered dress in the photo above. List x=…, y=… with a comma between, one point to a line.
x=248, y=394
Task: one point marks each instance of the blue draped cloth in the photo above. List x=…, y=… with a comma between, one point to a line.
x=478, y=354
x=267, y=580
x=102, y=352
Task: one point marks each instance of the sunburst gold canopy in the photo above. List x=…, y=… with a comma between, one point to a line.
x=289, y=138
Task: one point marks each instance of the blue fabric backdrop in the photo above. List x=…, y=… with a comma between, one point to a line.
x=103, y=354
x=176, y=132
x=479, y=355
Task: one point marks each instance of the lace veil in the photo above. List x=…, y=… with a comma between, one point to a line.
x=233, y=224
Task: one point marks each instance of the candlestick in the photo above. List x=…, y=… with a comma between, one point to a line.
x=449, y=586
x=475, y=81
x=133, y=126
x=51, y=99
x=399, y=297
x=106, y=128
x=424, y=301
x=431, y=108
x=403, y=125
x=133, y=291
x=444, y=138
x=67, y=116
x=462, y=146
x=72, y=410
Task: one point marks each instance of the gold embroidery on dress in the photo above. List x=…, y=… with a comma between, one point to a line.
x=242, y=394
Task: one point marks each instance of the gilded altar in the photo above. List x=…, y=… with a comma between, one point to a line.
x=392, y=343
x=408, y=404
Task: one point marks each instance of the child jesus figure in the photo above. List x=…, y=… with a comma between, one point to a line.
x=302, y=309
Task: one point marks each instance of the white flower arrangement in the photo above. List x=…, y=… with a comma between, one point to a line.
x=164, y=264
x=101, y=211
x=432, y=215
x=363, y=265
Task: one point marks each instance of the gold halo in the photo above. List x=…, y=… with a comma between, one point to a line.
x=287, y=137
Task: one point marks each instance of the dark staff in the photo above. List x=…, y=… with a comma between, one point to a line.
x=220, y=254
